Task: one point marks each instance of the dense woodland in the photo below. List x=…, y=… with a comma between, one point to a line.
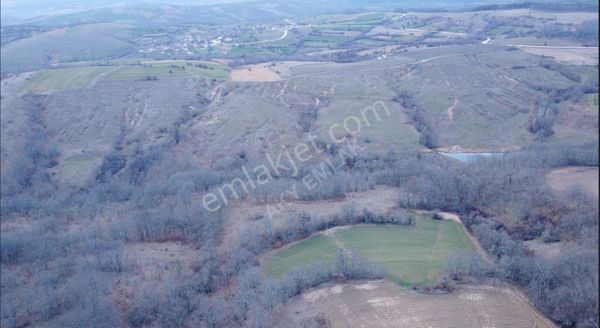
x=70, y=274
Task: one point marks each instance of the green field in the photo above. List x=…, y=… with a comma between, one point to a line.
x=245, y=50
x=325, y=38
x=591, y=100
x=411, y=255
x=65, y=78
x=359, y=23
x=172, y=68
x=84, y=76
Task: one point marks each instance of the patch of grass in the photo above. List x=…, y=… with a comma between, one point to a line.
x=84, y=76
x=317, y=248
x=351, y=98
x=285, y=51
x=363, y=22
x=244, y=50
x=246, y=37
x=326, y=38
x=404, y=38
x=65, y=78
x=457, y=29
x=76, y=169
x=347, y=27
x=375, y=42
x=591, y=99
x=411, y=255
x=141, y=72
x=372, y=19
x=170, y=68
x=79, y=43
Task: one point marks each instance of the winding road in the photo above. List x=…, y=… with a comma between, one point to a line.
x=283, y=36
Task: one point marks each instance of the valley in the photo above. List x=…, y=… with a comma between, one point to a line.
x=299, y=164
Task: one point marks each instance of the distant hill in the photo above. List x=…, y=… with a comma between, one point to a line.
x=79, y=43
x=159, y=12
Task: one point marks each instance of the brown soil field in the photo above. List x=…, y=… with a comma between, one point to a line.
x=563, y=179
x=254, y=73
x=383, y=304
x=574, y=56
x=546, y=250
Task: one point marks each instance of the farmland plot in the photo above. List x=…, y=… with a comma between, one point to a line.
x=411, y=255
x=383, y=304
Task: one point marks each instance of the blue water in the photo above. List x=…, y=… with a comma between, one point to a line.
x=469, y=157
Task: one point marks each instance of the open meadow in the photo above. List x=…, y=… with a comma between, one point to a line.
x=411, y=255
x=85, y=76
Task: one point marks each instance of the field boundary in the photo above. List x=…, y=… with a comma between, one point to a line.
x=507, y=288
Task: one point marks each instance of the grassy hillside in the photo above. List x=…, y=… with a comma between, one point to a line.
x=85, y=76
x=78, y=43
